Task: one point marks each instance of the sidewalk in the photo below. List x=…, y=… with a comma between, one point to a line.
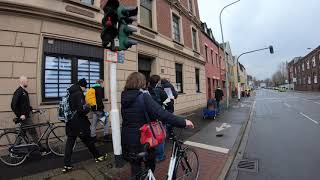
x=214, y=153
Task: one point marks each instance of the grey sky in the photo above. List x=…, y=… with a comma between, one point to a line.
x=291, y=26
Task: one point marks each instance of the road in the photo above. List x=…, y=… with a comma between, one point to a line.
x=284, y=137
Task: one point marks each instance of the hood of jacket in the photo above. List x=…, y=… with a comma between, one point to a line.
x=128, y=97
x=75, y=88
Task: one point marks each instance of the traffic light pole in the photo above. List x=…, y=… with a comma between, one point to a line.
x=239, y=83
x=114, y=113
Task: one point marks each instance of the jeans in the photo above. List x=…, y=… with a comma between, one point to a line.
x=218, y=107
x=95, y=120
x=30, y=130
x=160, y=153
x=70, y=144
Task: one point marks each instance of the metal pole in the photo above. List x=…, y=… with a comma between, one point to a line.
x=115, y=119
x=239, y=96
x=224, y=52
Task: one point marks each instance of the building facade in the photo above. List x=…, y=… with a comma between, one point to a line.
x=57, y=42
x=213, y=56
x=304, y=72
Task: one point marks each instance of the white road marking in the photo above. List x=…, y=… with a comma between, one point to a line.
x=309, y=118
x=207, y=147
x=287, y=105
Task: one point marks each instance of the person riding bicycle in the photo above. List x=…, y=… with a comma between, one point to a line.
x=133, y=116
x=79, y=125
x=21, y=107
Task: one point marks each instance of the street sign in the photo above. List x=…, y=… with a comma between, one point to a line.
x=121, y=57
x=111, y=56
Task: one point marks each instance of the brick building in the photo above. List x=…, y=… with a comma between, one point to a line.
x=57, y=42
x=214, y=67
x=304, y=72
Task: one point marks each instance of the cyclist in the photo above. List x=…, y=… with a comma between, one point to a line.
x=21, y=107
x=79, y=125
x=133, y=116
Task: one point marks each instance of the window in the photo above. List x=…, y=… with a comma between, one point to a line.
x=87, y=2
x=146, y=13
x=194, y=39
x=302, y=66
x=179, y=78
x=206, y=51
x=176, y=27
x=65, y=62
x=315, y=78
x=212, y=56
x=314, y=64
x=216, y=58
x=309, y=79
x=191, y=5
x=197, y=80
x=308, y=64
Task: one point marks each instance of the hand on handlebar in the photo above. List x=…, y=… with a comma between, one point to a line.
x=189, y=124
x=22, y=117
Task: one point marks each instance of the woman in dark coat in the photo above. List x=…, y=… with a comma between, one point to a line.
x=134, y=118
x=79, y=125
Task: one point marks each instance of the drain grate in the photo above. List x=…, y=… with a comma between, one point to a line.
x=248, y=165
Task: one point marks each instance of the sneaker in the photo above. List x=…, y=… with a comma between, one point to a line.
x=101, y=158
x=66, y=169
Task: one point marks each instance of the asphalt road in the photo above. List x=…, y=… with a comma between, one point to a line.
x=284, y=137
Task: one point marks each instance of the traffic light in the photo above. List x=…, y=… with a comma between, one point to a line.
x=126, y=15
x=271, y=49
x=109, y=24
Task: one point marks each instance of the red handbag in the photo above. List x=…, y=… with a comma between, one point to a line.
x=152, y=132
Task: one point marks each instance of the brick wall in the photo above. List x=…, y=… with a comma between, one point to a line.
x=164, y=18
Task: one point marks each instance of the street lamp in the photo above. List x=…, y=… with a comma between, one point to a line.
x=224, y=51
x=248, y=52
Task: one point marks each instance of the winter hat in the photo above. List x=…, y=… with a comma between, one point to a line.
x=83, y=82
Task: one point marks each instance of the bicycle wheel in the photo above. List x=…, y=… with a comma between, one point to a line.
x=7, y=140
x=56, y=140
x=187, y=166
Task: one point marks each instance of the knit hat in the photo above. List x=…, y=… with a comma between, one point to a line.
x=83, y=82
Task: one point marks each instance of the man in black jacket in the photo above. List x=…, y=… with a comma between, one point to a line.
x=171, y=93
x=79, y=125
x=218, y=95
x=21, y=107
x=98, y=111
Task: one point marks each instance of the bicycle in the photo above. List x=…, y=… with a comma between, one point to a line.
x=184, y=162
x=15, y=145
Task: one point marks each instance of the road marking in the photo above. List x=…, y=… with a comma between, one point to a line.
x=207, y=147
x=287, y=105
x=309, y=118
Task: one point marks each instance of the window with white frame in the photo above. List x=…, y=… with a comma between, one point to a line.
x=308, y=64
x=146, y=13
x=302, y=67
x=190, y=5
x=314, y=64
x=194, y=39
x=176, y=27
x=315, y=78
x=309, y=79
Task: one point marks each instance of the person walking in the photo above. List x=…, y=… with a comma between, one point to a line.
x=171, y=93
x=79, y=125
x=94, y=97
x=133, y=115
x=218, y=96
x=160, y=96
x=21, y=107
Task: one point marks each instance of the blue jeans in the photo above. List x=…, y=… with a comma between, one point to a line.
x=218, y=107
x=96, y=115
x=160, y=152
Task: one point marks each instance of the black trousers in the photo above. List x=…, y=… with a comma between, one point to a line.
x=86, y=139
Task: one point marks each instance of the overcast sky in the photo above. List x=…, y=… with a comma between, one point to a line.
x=291, y=26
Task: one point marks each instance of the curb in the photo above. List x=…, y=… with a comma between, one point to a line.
x=236, y=146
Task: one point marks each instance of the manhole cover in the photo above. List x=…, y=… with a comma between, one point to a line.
x=248, y=165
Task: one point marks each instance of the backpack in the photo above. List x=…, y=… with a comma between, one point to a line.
x=64, y=111
x=91, y=97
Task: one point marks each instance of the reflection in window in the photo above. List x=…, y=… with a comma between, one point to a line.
x=90, y=70
x=57, y=76
x=146, y=13
x=179, y=78
x=176, y=27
